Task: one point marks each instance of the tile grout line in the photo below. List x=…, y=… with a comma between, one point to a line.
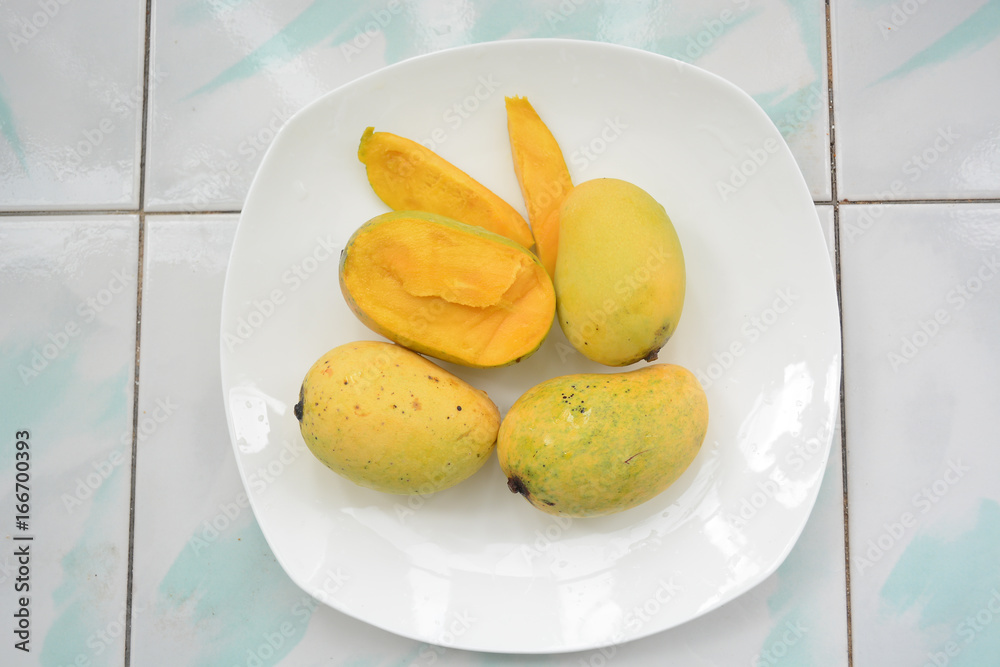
x=236, y=211
x=126, y=211
x=220, y=211
x=840, y=307
x=70, y=212
x=138, y=329
x=955, y=200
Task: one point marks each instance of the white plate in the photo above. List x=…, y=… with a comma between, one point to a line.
x=475, y=566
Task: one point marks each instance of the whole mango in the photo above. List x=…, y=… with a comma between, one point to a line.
x=593, y=444
x=388, y=419
x=620, y=279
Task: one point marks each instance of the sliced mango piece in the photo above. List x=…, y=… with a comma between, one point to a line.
x=446, y=289
x=410, y=177
x=542, y=173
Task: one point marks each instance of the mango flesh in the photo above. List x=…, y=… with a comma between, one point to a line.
x=593, y=444
x=388, y=419
x=542, y=174
x=620, y=278
x=449, y=290
x=409, y=176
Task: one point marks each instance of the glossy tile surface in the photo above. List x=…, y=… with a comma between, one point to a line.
x=253, y=64
x=921, y=292
x=917, y=87
x=71, y=91
x=67, y=354
x=915, y=93
x=206, y=586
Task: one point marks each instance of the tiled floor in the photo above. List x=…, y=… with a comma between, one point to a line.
x=115, y=237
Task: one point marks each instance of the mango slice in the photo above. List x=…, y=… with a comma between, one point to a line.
x=446, y=289
x=542, y=174
x=408, y=176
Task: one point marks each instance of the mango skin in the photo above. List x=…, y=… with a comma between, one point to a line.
x=388, y=419
x=620, y=279
x=594, y=444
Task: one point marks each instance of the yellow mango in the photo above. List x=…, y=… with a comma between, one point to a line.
x=620, y=279
x=388, y=419
x=449, y=290
x=593, y=444
x=408, y=176
x=542, y=174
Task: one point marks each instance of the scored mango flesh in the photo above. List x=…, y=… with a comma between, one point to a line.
x=408, y=176
x=446, y=289
x=542, y=174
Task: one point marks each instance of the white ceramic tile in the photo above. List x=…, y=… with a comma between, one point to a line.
x=921, y=296
x=70, y=104
x=776, y=52
x=185, y=473
x=240, y=71
x=67, y=351
x=207, y=590
x=916, y=92
x=230, y=74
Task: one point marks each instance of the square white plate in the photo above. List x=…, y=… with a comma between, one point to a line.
x=476, y=567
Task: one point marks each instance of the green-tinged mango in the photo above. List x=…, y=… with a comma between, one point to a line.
x=620, y=278
x=388, y=419
x=593, y=444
